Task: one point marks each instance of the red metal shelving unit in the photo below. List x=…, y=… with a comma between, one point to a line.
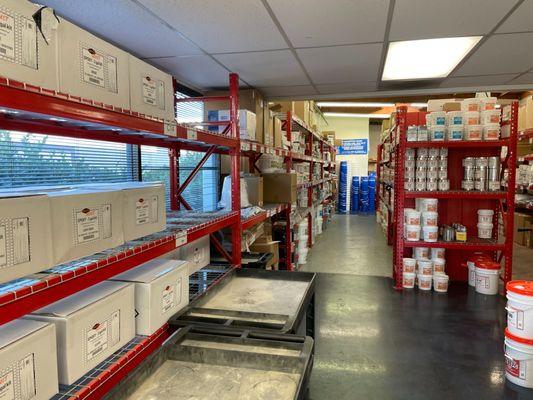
x=457, y=205
x=32, y=109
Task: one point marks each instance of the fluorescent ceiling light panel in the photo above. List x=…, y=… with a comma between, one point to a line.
x=427, y=58
x=352, y=104
x=353, y=115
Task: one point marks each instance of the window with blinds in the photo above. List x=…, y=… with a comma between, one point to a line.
x=32, y=159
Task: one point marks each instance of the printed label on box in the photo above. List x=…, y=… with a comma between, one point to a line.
x=21, y=241
x=515, y=368
x=169, y=128
x=7, y=386
x=142, y=212
x=102, y=335
x=87, y=225
x=3, y=246
x=93, y=69
x=167, y=298
x=28, y=49
x=149, y=91
x=7, y=36
x=27, y=377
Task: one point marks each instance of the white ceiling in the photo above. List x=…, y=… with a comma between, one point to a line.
x=312, y=48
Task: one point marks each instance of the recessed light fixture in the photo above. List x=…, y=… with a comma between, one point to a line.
x=354, y=115
x=352, y=104
x=427, y=58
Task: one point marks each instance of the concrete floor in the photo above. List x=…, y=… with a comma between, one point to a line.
x=373, y=342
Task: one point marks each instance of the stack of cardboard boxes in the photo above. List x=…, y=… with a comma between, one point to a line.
x=523, y=229
x=525, y=112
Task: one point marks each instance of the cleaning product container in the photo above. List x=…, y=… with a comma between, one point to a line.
x=520, y=308
x=487, y=277
x=430, y=233
x=421, y=252
x=485, y=216
x=490, y=117
x=430, y=218
x=518, y=360
x=412, y=233
x=471, y=104
x=440, y=283
x=412, y=217
x=484, y=230
x=437, y=132
x=471, y=265
x=487, y=103
x=473, y=132
x=491, y=132
x=425, y=267
x=436, y=118
x=428, y=205
x=408, y=280
x=471, y=118
x=409, y=265
x=439, y=266
x=424, y=281
x=454, y=118
x=437, y=252
x=455, y=132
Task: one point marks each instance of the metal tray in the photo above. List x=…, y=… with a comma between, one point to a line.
x=264, y=301
x=198, y=363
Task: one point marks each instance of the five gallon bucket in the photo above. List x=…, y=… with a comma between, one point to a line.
x=518, y=360
x=520, y=308
x=487, y=277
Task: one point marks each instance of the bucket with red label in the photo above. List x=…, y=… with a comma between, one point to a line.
x=518, y=360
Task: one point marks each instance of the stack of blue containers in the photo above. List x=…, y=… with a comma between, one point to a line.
x=343, y=187
x=363, y=195
x=372, y=192
x=354, y=195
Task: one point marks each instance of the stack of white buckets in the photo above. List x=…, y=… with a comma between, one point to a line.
x=519, y=333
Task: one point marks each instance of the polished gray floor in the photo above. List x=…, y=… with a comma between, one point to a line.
x=373, y=342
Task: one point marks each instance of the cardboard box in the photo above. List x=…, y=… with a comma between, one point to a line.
x=268, y=128
x=225, y=164
x=28, y=360
x=254, y=186
x=247, y=122
x=85, y=221
x=161, y=290
x=329, y=136
x=197, y=253
x=267, y=247
x=91, y=68
x=25, y=234
x=279, y=187
x=90, y=326
x=26, y=55
x=451, y=106
x=151, y=90
x=527, y=110
x=523, y=229
x=437, y=104
x=278, y=132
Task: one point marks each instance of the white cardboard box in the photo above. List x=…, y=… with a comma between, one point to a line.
x=25, y=55
x=85, y=221
x=90, y=326
x=197, y=253
x=151, y=90
x=143, y=207
x=247, y=122
x=28, y=360
x=91, y=68
x=25, y=234
x=161, y=290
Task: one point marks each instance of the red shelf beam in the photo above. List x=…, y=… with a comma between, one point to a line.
x=460, y=143
x=456, y=194
x=470, y=245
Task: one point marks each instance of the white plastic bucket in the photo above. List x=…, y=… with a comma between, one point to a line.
x=487, y=280
x=491, y=132
x=430, y=233
x=485, y=216
x=412, y=217
x=424, y=281
x=438, y=252
x=455, y=132
x=425, y=267
x=518, y=360
x=421, y=252
x=440, y=283
x=408, y=281
x=487, y=103
x=473, y=132
x=520, y=308
x=430, y=218
x=409, y=265
x=437, y=132
x=439, y=266
x=412, y=233
x=490, y=117
x=484, y=230
x=429, y=205
x=436, y=118
x=471, y=104
x=454, y=118
x=471, y=273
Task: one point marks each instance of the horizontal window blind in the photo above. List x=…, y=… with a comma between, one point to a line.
x=32, y=159
x=189, y=112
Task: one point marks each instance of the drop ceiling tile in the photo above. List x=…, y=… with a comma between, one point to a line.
x=300, y=90
x=357, y=63
x=500, y=54
x=149, y=37
x=266, y=68
x=221, y=26
x=340, y=88
x=523, y=79
x=200, y=71
x=520, y=20
x=321, y=23
x=420, y=19
x=469, y=81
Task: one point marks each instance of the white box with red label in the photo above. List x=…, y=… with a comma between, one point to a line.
x=85, y=221
x=25, y=234
x=151, y=90
x=28, y=360
x=161, y=290
x=197, y=253
x=90, y=326
x=28, y=52
x=92, y=68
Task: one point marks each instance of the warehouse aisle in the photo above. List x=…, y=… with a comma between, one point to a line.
x=375, y=343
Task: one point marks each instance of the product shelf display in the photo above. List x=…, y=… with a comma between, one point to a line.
x=448, y=191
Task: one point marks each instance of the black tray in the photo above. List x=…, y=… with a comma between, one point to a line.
x=222, y=364
x=264, y=301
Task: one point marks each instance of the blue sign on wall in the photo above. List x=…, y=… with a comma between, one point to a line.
x=353, y=146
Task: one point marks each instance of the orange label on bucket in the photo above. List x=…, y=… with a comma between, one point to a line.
x=433, y=235
x=515, y=367
x=408, y=282
x=442, y=286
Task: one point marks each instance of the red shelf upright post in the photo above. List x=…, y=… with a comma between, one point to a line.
x=235, y=155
